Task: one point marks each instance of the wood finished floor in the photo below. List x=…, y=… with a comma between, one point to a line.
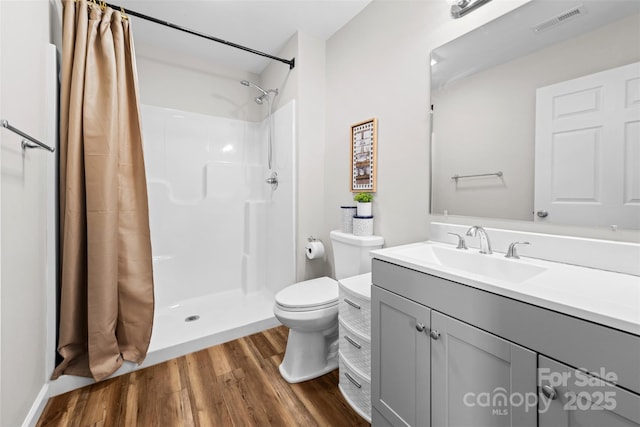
x=232, y=384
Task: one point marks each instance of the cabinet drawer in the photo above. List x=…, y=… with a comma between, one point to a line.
x=569, y=397
x=356, y=349
x=355, y=311
x=355, y=389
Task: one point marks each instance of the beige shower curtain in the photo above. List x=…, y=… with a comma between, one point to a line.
x=106, y=295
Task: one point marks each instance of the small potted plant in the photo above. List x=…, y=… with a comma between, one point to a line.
x=363, y=204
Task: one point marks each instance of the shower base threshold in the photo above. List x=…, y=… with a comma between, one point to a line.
x=192, y=325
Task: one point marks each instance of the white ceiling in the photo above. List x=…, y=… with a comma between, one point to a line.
x=263, y=25
x=510, y=36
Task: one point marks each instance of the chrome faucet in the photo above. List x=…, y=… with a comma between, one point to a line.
x=485, y=245
x=512, y=252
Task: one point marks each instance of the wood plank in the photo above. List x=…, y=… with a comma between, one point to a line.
x=233, y=384
x=219, y=360
x=240, y=412
x=278, y=338
x=262, y=344
x=129, y=407
x=113, y=401
x=58, y=411
x=277, y=412
x=207, y=401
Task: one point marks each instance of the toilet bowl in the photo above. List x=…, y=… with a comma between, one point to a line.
x=310, y=310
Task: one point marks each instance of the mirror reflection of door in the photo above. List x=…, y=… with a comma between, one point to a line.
x=587, y=150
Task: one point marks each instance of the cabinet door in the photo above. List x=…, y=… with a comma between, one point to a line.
x=479, y=379
x=400, y=360
x=569, y=397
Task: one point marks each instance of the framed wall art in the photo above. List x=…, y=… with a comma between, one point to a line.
x=363, y=156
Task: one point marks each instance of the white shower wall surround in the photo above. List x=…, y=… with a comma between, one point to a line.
x=211, y=214
x=222, y=239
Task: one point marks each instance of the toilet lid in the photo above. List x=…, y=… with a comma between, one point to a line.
x=310, y=294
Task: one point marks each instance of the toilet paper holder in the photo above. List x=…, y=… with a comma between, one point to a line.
x=314, y=249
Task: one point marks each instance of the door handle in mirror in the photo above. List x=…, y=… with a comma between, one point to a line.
x=549, y=392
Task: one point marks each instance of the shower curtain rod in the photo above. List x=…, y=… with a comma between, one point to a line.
x=291, y=62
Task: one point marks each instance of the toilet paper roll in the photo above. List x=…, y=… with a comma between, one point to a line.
x=314, y=250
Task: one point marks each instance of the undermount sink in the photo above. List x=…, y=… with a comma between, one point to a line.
x=470, y=261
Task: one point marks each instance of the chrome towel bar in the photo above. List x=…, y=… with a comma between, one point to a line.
x=34, y=143
x=457, y=177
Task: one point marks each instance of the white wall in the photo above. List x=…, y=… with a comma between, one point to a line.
x=193, y=85
x=378, y=66
x=1, y=141
x=306, y=83
x=24, y=39
x=188, y=84
x=201, y=170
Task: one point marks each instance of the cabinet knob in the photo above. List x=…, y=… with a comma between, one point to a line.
x=419, y=327
x=549, y=392
x=434, y=334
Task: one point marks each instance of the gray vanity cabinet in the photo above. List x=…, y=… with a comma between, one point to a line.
x=570, y=398
x=448, y=354
x=479, y=379
x=400, y=360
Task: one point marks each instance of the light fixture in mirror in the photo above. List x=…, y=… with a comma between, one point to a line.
x=485, y=87
x=463, y=7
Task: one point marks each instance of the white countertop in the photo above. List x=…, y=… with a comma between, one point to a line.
x=604, y=297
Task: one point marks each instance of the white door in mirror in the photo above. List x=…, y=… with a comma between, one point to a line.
x=587, y=150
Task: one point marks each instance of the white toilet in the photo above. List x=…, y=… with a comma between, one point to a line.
x=310, y=310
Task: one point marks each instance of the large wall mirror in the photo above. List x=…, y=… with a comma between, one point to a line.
x=536, y=116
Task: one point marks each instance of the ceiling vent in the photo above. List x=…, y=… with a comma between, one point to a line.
x=559, y=19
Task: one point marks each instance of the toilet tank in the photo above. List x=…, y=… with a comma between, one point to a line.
x=351, y=253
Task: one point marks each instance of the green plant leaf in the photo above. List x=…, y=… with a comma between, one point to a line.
x=363, y=197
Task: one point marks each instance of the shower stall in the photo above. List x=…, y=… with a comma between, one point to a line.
x=222, y=236
x=223, y=239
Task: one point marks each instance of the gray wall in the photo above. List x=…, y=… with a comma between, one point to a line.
x=378, y=66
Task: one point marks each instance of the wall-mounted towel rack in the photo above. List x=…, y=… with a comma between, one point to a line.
x=25, y=142
x=457, y=177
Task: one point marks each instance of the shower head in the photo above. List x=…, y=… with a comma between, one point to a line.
x=252, y=84
x=265, y=93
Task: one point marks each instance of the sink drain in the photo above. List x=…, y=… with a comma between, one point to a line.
x=192, y=318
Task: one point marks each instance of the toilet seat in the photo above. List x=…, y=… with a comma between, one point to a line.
x=314, y=294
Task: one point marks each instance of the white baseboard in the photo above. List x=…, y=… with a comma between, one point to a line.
x=38, y=406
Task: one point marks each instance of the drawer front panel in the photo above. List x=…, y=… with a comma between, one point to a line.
x=356, y=312
x=570, y=397
x=355, y=389
x=356, y=349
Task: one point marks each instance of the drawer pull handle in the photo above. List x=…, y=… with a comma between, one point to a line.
x=549, y=392
x=434, y=334
x=351, y=303
x=353, y=381
x=420, y=327
x=352, y=342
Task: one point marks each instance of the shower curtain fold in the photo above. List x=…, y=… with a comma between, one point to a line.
x=106, y=291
